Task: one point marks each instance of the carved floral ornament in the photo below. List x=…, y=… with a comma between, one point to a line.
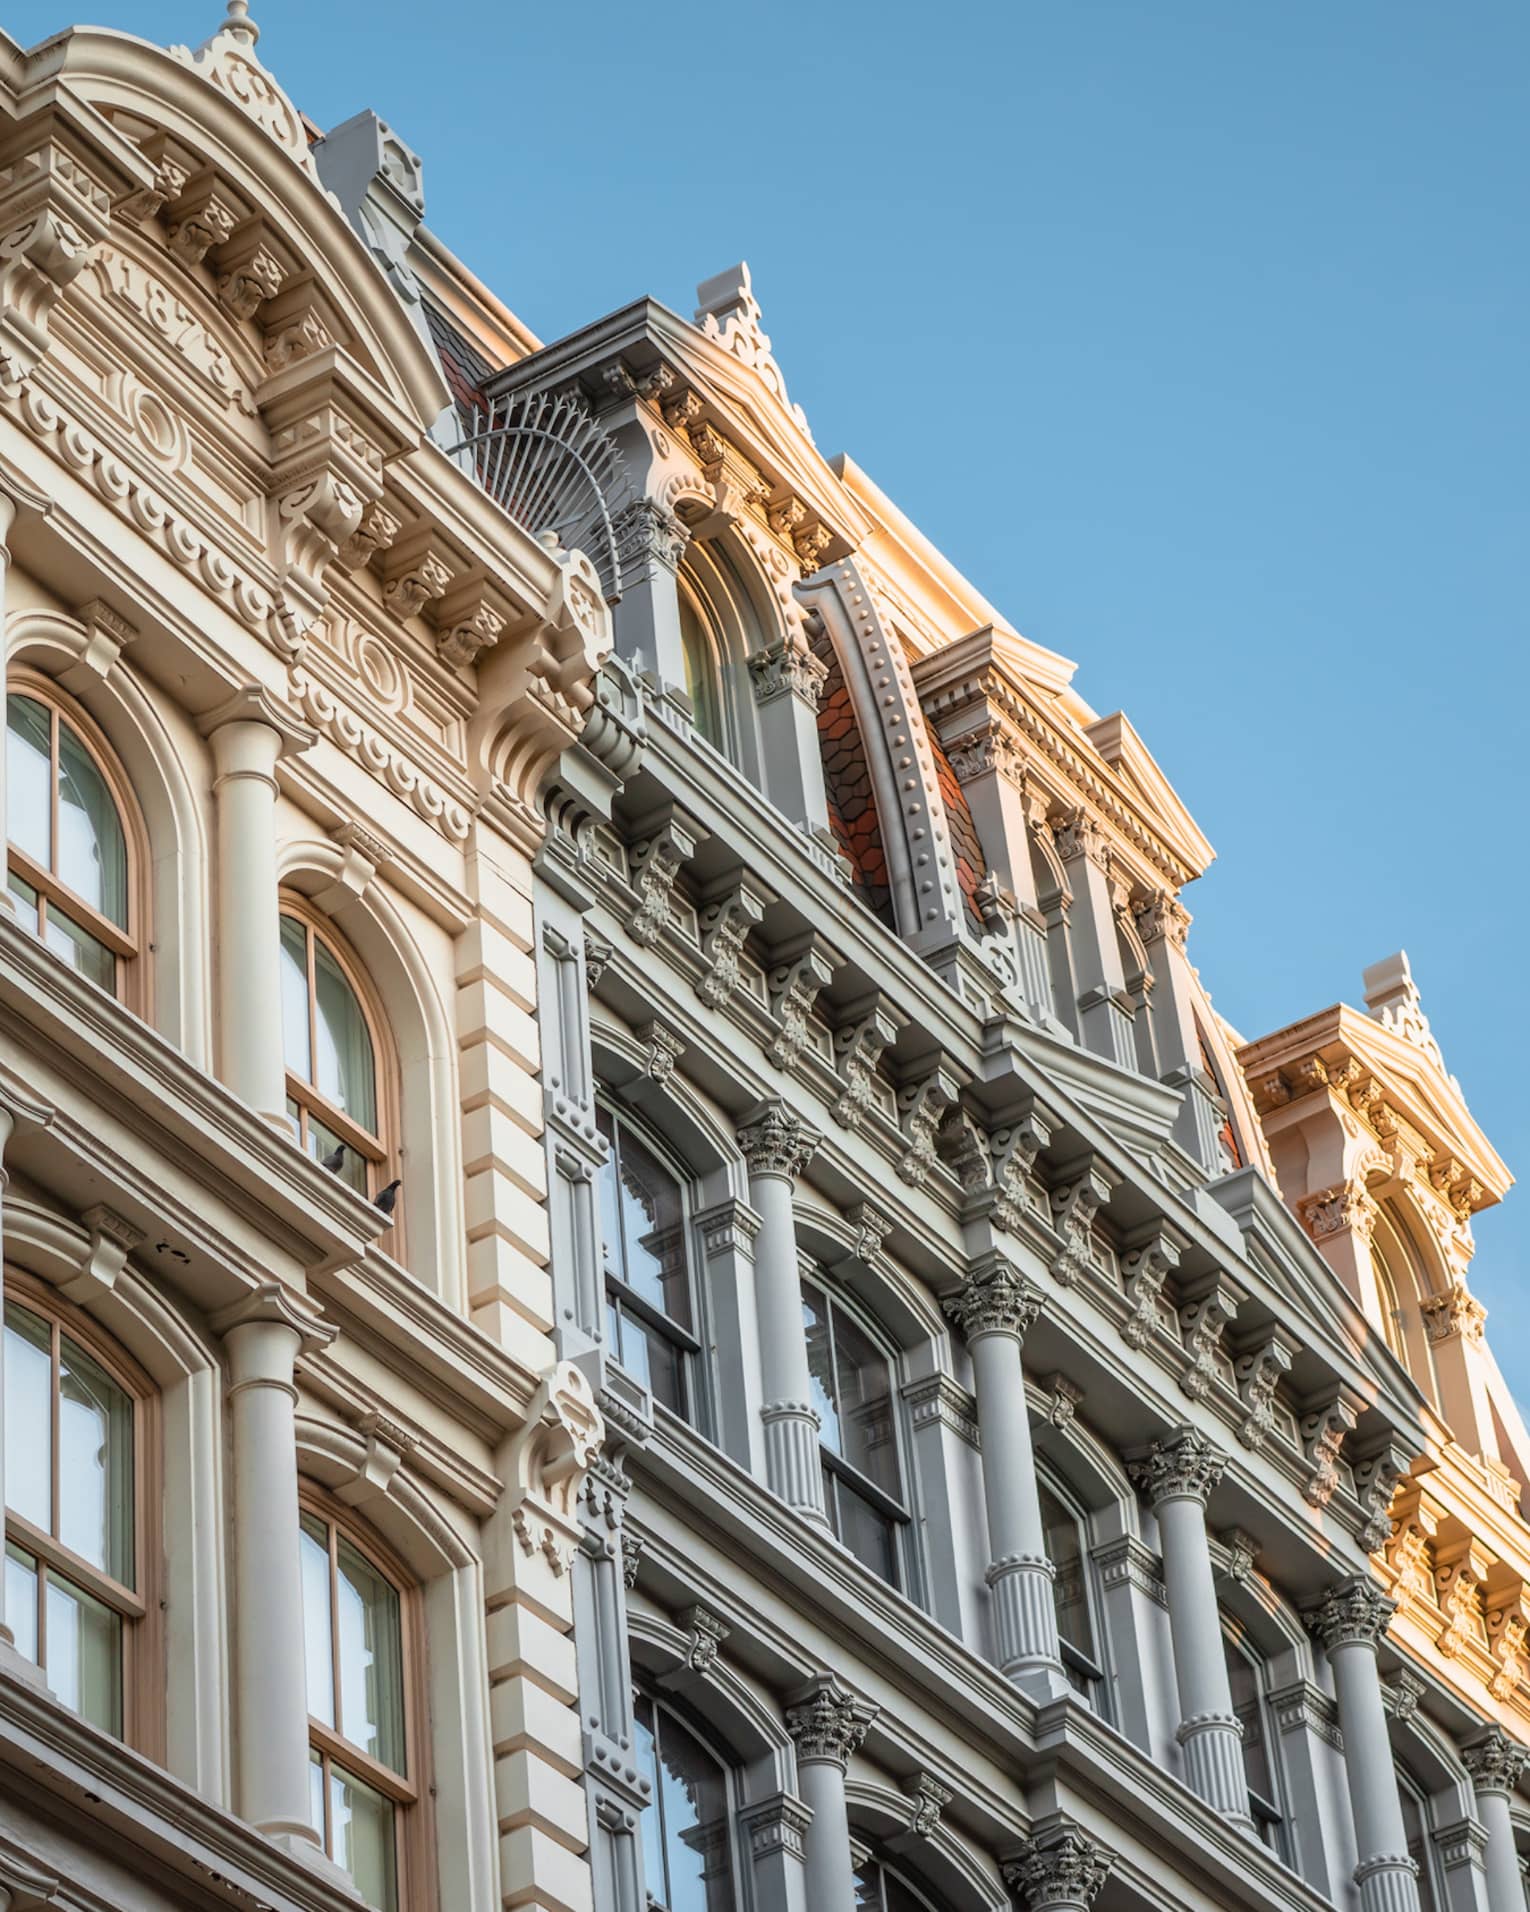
x=1058, y=1871
x=995, y=1300
x=777, y=1142
x=1495, y=1762
x=1182, y=1466
x=546, y=1463
x=828, y=1722
x=1353, y=1613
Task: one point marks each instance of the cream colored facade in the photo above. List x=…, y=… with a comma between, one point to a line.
x=869, y=1397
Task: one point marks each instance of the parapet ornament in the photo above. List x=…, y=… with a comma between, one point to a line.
x=228, y=62
x=1183, y=1466
x=1494, y=1762
x=995, y=1300
x=776, y=1142
x=1059, y=1871
x=828, y=1722
x=1353, y=1613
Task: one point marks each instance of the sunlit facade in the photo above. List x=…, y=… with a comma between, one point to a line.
x=638, y=1274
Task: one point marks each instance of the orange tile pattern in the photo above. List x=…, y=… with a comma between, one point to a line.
x=847, y=785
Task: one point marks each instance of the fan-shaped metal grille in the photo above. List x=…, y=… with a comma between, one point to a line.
x=548, y=464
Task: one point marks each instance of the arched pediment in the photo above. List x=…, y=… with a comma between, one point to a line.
x=226, y=160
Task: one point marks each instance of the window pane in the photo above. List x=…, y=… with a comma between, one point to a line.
x=868, y=1887
x=21, y=1600
x=322, y=1143
x=84, y=1665
x=815, y=1325
x=651, y=1821
x=92, y=851
x=362, y=1830
x=29, y=778
x=318, y=1653
x=29, y=1416
x=343, y=1068
x=658, y=1363
x=80, y=949
x=371, y=1659
x=695, y=1796
x=316, y=1794
x=26, y=902
x=295, y=998
x=653, y=1230
x=95, y=1464
x=1065, y=1550
x=869, y=1535
x=701, y=684
x=610, y=1199
x=865, y=1404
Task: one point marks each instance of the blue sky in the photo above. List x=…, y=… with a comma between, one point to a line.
x=1192, y=331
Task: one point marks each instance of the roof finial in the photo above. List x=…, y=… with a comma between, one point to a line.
x=239, y=23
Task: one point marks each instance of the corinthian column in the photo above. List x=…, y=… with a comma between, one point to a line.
x=777, y=1147
x=264, y=1334
x=250, y=734
x=1058, y=1871
x=1177, y=1476
x=994, y=1311
x=1495, y=1763
x=14, y=1110
x=1349, y=1621
x=828, y=1725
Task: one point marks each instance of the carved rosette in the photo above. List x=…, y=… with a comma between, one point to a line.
x=1494, y=1762
x=828, y=1723
x=996, y=1301
x=1353, y=1613
x=1184, y=1466
x=777, y=1142
x=1061, y=1871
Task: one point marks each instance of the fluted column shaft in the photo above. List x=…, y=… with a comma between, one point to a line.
x=1495, y=1763
x=778, y=1147
x=1178, y=1475
x=1350, y=1621
x=263, y=1335
x=828, y=1725
x=7, y=519
x=994, y=1311
x=248, y=739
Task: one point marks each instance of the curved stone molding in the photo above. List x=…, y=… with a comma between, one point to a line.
x=777, y=1142
x=360, y=742
x=1058, y=1871
x=1353, y=1613
x=828, y=1723
x=1183, y=1466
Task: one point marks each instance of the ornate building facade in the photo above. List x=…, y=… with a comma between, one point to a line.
x=637, y=1271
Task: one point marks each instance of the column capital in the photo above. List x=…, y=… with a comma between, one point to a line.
x=1354, y=1613
x=1058, y=1871
x=1495, y=1761
x=996, y=1299
x=254, y=704
x=1183, y=1465
x=774, y=1141
x=263, y=1359
x=828, y=1722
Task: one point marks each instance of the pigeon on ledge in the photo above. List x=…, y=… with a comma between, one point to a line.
x=386, y=1197
x=333, y=1160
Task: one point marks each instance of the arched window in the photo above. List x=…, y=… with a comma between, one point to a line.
x=1390, y=1303
x=852, y=1379
x=650, y=1307
x=879, y=1889
x=688, y=1851
x=333, y=1091
x=1421, y=1848
x=1063, y=1534
x=73, y=1556
x=361, y=1766
x=1245, y=1677
x=70, y=863
x=703, y=676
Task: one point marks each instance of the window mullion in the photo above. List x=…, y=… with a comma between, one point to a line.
x=55, y=1419
x=313, y=1015
x=334, y=1628
x=55, y=769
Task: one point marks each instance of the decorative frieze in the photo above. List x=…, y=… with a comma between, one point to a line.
x=922, y=1108
x=727, y=920
x=937, y=1400
x=1203, y=1316
x=1258, y=1371
x=859, y=1040
x=1075, y=1200
x=1144, y=1271
x=1324, y=1430
x=795, y=985
x=653, y=863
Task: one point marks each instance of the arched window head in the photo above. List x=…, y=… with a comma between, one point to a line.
x=703, y=676
x=333, y=1090
x=72, y=1550
x=650, y=1304
x=853, y=1393
x=1390, y=1303
x=1246, y=1680
x=1063, y=1537
x=1421, y=1848
x=361, y=1782
x=70, y=862
x=879, y=1889
x=688, y=1845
